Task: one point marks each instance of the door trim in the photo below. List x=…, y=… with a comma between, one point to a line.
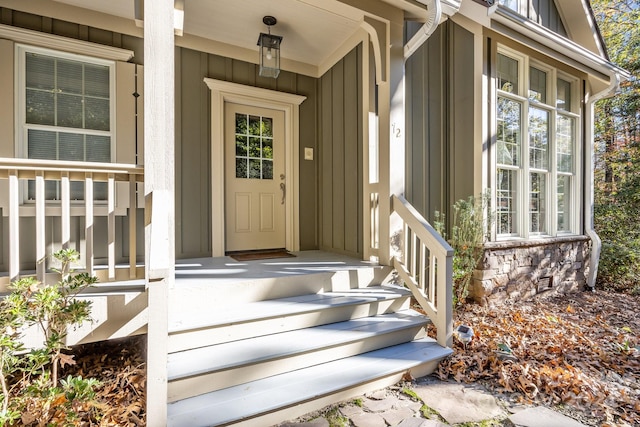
x=223, y=92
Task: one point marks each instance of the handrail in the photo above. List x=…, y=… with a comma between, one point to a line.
x=426, y=267
x=18, y=171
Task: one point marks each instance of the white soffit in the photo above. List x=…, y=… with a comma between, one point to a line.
x=312, y=29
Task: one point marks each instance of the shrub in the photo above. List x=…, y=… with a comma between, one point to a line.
x=31, y=391
x=469, y=231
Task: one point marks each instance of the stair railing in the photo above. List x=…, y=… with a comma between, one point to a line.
x=43, y=188
x=426, y=267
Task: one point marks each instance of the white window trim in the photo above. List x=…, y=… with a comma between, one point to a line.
x=523, y=172
x=20, y=137
x=59, y=43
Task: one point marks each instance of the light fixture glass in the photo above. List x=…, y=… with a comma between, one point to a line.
x=269, y=50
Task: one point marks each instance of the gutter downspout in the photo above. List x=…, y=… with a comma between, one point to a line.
x=596, y=242
x=434, y=12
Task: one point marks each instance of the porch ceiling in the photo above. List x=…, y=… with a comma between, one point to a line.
x=312, y=29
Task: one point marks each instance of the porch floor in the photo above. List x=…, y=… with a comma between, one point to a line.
x=228, y=270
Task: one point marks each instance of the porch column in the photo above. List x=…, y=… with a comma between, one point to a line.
x=390, y=81
x=159, y=183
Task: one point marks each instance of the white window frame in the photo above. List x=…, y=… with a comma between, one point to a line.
x=21, y=132
x=523, y=172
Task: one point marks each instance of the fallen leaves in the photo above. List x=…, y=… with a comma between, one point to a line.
x=119, y=365
x=579, y=350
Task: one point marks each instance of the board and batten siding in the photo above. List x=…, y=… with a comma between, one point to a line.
x=341, y=156
x=193, y=135
x=125, y=137
x=440, y=114
x=193, y=145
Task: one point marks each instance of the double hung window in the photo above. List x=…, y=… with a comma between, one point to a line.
x=65, y=112
x=536, y=148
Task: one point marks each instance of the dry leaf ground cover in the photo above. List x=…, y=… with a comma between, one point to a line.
x=579, y=352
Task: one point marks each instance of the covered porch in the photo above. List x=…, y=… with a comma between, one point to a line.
x=361, y=251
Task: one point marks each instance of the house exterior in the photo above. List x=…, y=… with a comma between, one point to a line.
x=117, y=115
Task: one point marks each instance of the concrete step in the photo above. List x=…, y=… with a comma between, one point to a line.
x=205, y=369
x=271, y=400
x=191, y=329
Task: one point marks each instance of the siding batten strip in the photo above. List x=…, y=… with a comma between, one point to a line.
x=14, y=226
x=40, y=228
x=111, y=226
x=133, y=211
x=88, y=221
x=65, y=209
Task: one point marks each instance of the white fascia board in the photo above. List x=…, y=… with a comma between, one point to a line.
x=36, y=38
x=553, y=41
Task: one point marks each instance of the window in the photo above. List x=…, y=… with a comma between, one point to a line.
x=65, y=112
x=535, y=149
x=254, y=147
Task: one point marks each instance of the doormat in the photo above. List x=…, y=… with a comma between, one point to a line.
x=261, y=254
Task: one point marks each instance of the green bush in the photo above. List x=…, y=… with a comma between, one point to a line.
x=469, y=231
x=31, y=390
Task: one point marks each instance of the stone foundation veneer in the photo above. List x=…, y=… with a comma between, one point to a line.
x=518, y=270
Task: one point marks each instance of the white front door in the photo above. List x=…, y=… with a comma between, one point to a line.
x=254, y=178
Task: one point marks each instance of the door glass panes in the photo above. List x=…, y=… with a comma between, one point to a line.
x=563, y=99
x=508, y=137
x=564, y=143
x=507, y=74
x=537, y=85
x=537, y=203
x=254, y=146
x=506, y=201
x=538, y=138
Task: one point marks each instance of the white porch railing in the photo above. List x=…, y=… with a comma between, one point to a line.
x=426, y=267
x=21, y=173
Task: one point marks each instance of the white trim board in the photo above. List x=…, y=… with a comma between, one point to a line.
x=51, y=41
x=222, y=92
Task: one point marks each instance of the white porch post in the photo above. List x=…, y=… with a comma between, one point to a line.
x=159, y=190
x=390, y=81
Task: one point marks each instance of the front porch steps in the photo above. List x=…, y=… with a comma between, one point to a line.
x=286, y=396
x=195, y=371
x=258, y=362
x=217, y=325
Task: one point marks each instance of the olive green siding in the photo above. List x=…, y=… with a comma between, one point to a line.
x=341, y=156
x=193, y=145
x=193, y=135
x=440, y=117
x=545, y=13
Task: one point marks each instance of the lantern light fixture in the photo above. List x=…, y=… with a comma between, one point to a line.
x=269, y=50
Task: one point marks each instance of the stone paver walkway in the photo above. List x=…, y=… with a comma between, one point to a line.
x=430, y=403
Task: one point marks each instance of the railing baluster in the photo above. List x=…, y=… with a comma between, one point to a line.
x=88, y=222
x=111, y=226
x=41, y=248
x=424, y=269
x=18, y=172
x=414, y=246
x=433, y=289
x=14, y=226
x=65, y=209
x=133, y=212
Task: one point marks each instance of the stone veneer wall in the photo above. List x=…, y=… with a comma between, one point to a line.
x=512, y=271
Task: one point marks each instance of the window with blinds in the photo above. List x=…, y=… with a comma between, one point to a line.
x=66, y=112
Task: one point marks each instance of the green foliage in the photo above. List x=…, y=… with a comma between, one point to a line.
x=617, y=149
x=29, y=381
x=468, y=233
